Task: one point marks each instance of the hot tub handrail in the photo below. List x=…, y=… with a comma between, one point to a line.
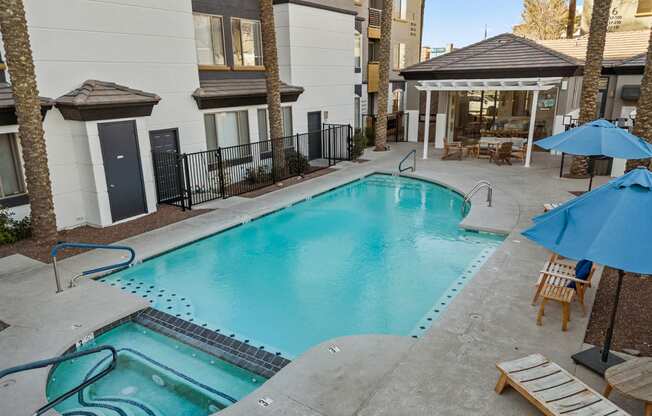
x=64, y=245
x=56, y=360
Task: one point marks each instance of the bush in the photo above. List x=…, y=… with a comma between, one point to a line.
x=370, y=132
x=12, y=230
x=359, y=144
x=296, y=163
x=256, y=176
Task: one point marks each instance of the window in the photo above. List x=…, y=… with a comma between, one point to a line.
x=263, y=129
x=397, y=101
x=357, y=50
x=11, y=175
x=356, y=113
x=247, y=42
x=400, y=9
x=644, y=8
x=399, y=56
x=227, y=129
x=209, y=39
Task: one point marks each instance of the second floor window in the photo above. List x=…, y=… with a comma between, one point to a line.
x=357, y=50
x=400, y=9
x=209, y=39
x=11, y=175
x=247, y=42
x=399, y=56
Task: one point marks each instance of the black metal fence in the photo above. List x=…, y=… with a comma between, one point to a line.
x=189, y=179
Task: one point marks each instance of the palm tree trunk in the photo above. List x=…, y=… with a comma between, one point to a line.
x=643, y=126
x=13, y=26
x=273, y=82
x=570, y=24
x=383, y=76
x=591, y=79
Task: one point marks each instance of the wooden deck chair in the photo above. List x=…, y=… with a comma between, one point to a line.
x=502, y=154
x=452, y=150
x=553, y=390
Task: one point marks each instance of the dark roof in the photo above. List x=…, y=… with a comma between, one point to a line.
x=638, y=60
x=101, y=93
x=230, y=92
x=505, y=55
x=8, y=105
x=7, y=98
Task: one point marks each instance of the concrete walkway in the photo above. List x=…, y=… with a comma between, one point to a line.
x=449, y=371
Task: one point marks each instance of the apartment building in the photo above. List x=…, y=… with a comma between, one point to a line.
x=120, y=79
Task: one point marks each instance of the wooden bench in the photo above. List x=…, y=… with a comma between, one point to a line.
x=553, y=390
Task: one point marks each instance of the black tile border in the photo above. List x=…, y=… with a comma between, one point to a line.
x=231, y=350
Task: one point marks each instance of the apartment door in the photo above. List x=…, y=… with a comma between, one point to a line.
x=314, y=135
x=122, y=168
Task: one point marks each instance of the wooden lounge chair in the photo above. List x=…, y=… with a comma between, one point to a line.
x=557, y=274
x=550, y=206
x=472, y=147
x=520, y=152
x=502, y=154
x=553, y=390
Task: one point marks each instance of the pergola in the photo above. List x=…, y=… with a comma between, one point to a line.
x=502, y=84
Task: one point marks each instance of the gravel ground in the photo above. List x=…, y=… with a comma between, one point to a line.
x=633, y=328
x=163, y=216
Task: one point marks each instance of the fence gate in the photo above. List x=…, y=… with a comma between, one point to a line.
x=188, y=179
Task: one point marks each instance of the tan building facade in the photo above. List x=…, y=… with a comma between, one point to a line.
x=625, y=15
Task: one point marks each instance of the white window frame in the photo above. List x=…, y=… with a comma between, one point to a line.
x=400, y=12
x=357, y=50
x=233, y=42
x=400, y=56
x=211, y=17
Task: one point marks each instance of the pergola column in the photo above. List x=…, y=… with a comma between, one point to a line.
x=530, y=135
x=426, y=127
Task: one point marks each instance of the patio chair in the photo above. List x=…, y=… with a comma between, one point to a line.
x=472, y=147
x=553, y=390
x=520, y=151
x=502, y=154
x=452, y=150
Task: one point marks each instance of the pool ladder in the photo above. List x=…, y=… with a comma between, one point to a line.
x=73, y=282
x=56, y=360
x=413, y=154
x=478, y=187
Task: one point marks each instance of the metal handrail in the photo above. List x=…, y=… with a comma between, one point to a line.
x=62, y=245
x=50, y=361
x=412, y=153
x=478, y=187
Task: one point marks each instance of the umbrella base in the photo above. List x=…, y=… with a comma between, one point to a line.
x=592, y=359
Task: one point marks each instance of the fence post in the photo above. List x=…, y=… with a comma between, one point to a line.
x=298, y=154
x=349, y=142
x=271, y=143
x=220, y=170
x=188, y=182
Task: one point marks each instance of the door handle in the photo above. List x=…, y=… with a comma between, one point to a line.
x=111, y=186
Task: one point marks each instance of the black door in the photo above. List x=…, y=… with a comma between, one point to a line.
x=314, y=135
x=124, y=174
x=165, y=157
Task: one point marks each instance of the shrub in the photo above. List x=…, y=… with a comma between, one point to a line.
x=254, y=176
x=370, y=132
x=12, y=230
x=359, y=144
x=296, y=163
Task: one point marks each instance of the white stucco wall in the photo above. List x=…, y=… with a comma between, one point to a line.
x=143, y=44
x=315, y=50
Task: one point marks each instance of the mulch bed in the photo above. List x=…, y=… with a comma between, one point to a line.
x=165, y=215
x=287, y=182
x=633, y=329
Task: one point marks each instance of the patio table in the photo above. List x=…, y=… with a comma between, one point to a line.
x=495, y=142
x=632, y=378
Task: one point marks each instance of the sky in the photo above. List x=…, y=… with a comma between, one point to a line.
x=462, y=22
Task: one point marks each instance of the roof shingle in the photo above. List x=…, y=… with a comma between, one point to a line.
x=7, y=98
x=99, y=93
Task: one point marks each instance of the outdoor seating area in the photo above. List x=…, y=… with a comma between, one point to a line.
x=498, y=150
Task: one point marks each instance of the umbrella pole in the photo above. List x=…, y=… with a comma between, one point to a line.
x=610, y=332
x=592, y=169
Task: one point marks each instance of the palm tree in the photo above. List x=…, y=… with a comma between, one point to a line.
x=383, y=75
x=643, y=126
x=13, y=26
x=273, y=86
x=591, y=79
x=570, y=24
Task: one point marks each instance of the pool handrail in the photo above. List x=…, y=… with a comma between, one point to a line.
x=413, y=168
x=477, y=187
x=64, y=245
x=56, y=360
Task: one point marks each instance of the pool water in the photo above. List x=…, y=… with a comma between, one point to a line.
x=381, y=255
x=155, y=376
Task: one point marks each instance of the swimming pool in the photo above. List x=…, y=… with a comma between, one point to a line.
x=155, y=376
x=383, y=254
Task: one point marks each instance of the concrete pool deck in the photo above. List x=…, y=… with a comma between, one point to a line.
x=448, y=371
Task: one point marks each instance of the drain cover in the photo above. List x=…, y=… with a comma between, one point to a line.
x=264, y=402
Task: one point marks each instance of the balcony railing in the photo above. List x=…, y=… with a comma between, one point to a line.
x=373, y=31
x=373, y=76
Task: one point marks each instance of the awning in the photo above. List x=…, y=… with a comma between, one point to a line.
x=101, y=100
x=8, y=105
x=229, y=92
x=502, y=84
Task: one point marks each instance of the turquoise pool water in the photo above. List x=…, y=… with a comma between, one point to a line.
x=155, y=376
x=380, y=255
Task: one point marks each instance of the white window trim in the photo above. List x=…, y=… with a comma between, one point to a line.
x=262, y=54
x=212, y=45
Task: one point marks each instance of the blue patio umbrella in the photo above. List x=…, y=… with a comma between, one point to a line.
x=598, y=138
x=610, y=225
